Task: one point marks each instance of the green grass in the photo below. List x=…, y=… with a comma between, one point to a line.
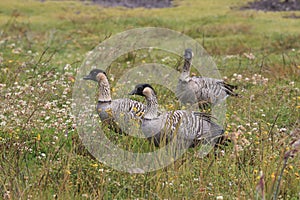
x=41, y=154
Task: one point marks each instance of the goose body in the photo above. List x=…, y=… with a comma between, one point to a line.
x=202, y=90
x=114, y=112
x=189, y=127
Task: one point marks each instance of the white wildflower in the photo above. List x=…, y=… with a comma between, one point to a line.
x=67, y=67
x=239, y=77
x=3, y=123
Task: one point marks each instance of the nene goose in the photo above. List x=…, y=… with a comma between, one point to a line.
x=114, y=112
x=191, y=127
x=202, y=90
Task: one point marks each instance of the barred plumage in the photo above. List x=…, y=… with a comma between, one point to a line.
x=201, y=90
x=117, y=113
x=191, y=127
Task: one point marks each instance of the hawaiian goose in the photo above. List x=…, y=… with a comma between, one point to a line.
x=201, y=90
x=114, y=112
x=190, y=127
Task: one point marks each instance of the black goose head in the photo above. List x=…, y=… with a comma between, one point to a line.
x=93, y=75
x=139, y=89
x=188, y=54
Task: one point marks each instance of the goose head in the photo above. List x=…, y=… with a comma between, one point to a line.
x=96, y=75
x=145, y=90
x=188, y=54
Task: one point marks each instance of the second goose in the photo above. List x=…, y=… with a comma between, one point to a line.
x=191, y=127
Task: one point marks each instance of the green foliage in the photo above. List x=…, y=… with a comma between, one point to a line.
x=42, y=45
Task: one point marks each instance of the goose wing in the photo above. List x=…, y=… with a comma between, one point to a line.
x=209, y=89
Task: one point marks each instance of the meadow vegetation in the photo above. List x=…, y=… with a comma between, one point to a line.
x=43, y=43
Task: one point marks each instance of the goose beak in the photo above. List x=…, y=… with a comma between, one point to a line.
x=88, y=77
x=133, y=92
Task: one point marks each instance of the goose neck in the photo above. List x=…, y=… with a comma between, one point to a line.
x=152, y=107
x=186, y=69
x=104, y=91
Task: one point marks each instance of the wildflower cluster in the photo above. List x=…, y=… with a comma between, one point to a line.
x=38, y=99
x=255, y=79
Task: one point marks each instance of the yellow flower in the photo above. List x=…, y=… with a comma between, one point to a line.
x=134, y=109
x=170, y=106
x=68, y=171
x=297, y=175
x=291, y=167
x=94, y=165
x=71, y=78
x=109, y=112
x=265, y=161
x=273, y=175
x=38, y=137
x=139, y=114
x=287, y=148
x=265, y=132
x=298, y=107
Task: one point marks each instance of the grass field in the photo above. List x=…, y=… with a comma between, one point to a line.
x=42, y=45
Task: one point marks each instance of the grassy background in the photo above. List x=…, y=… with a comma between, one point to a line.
x=42, y=44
